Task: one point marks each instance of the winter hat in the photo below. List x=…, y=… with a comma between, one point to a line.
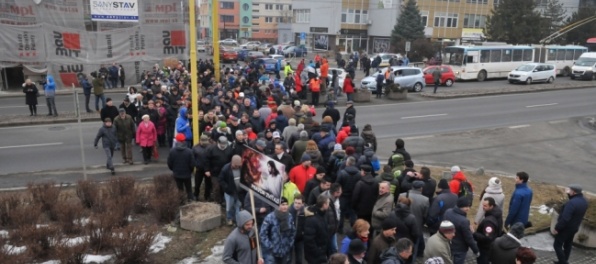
x=494, y=182
x=350, y=151
x=276, y=135
x=463, y=202
x=261, y=143
x=223, y=124
x=455, y=169
x=446, y=227
x=233, y=118
x=389, y=223
x=443, y=184
x=121, y=110
x=204, y=138
x=303, y=134
x=575, y=187
x=241, y=95
x=366, y=168
x=321, y=169
x=222, y=140
x=337, y=146
x=356, y=247
x=517, y=230
x=418, y=184
x=297, y=103
x=283, y=200
x=305, y=157
x=180, y=137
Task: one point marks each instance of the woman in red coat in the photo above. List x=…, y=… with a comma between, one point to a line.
x=146, y=136
x=348, y=87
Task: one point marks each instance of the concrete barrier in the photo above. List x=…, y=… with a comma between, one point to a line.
x=200, y=216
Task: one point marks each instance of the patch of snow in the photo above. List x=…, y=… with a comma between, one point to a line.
x=216, y=254
x=51, y=262
x=14, y=250
x=541, y=241
x=129, y=219
x=71, y=242
x=96, y=258
x=4, y=233
x=83, y=221
x=191, y=260
x=40, y=225
x=543, y=209
x=159, y=243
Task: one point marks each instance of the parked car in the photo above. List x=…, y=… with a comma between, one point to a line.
x=277, y=57
x=242, y=54
x=407, y=77
x=264, y=47
x=202, y=46
x=294, y=51
x=385, y=57
x=584, y=67
x=447, y=75
x=533, y=72
x=251, y=45
x=228, y=42
x=341, y=75
x=253, y=55
x=268, y=63
x=227, y=54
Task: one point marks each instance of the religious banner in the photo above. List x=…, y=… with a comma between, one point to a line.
x=263, y=175
x=115, y=10
x=62, y=13
x=13, y=12
x=22, y=43
x=163, y=12
x=120, y=45
x=162, y=41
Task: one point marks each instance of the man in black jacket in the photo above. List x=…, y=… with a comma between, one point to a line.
x=279, y=154
x=181, y=162
x=228, y=180
x=109, y=111
x=200, y=153
x=332, y=112
x=350, y=113
x=316, y=237
x=568, y=222
x=217, y=156
x=463, y=239
x=297, y=212
x=489, y=228
x=365, y=194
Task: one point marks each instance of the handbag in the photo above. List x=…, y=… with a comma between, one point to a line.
x=155, y=152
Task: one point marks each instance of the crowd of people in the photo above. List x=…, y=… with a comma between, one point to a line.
x=332, y=176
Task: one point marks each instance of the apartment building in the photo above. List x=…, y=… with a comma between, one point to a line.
x=266, y=16
x=228, y=22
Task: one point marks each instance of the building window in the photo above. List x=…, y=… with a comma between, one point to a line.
x=484, y=2
x=445, y=20
x=289, y=7
x=279, y=19
x=302, y=15
x=268, y=6
x=457, y=1
x=424, y=17
x=245, y=20
x=474, y=21
x=354, y=16
x=255, y=30
x=245, y=6
x=226, y=5
x=226, y=18
x=268, y=19
x=279, y=7
x=496, y=3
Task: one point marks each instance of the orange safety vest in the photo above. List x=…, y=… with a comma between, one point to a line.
x=315, y=86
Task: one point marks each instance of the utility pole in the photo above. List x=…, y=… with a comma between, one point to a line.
x=215, y=36
x=194, y=81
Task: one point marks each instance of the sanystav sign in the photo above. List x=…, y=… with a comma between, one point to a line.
x=121, y=11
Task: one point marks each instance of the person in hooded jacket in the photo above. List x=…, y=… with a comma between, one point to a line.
x=444, y=200
x=369, y=136
x=504, y=248
x=399, y=254
x=350, y=113
x=348, y=177
x=406, y=221
x=332, y=112
x=343, y=133
x=365, y=194
x=277, y=235
x=489, y=228
x=238, y=246
x=369, y=158
x=183, y=124
x=354, y=140
x=316, y=237
x=50, y=93
x=218, y=155
x=107, y=134
x=493, y=190
x=181, y=162
x=337, y=157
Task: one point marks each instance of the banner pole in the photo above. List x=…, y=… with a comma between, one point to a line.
x=254, y=215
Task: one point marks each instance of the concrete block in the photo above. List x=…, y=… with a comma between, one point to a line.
x=200, y=216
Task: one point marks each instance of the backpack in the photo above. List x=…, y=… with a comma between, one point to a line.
x=465, y=190
x=397, y=161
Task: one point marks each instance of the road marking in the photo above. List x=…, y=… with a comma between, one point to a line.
x=33, y=145
x=422, y=116
x=558, y=122
x=83, y=124
x=520, y=126
x=418, y=137
x=540, y=105
x=13, y=106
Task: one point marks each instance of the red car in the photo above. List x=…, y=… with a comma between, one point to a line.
x=447, y=76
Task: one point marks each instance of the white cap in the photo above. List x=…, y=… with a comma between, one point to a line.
x=241, y=94
x=455, y=169
x=276, y=135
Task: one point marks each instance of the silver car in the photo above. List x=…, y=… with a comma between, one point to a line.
x=408, y=77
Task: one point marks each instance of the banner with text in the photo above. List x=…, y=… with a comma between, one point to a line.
x=263, y=175
x=120, y=45
x=62, y=13
x=115, y=10
x=13, y=12
x=162, y=41
x=67, y=45
x=163, y=12
x=22, y=43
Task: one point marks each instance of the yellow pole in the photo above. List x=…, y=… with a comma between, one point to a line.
x=193, y=70
x=215, y=36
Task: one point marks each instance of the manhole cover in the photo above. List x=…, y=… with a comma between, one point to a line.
x=57, y=128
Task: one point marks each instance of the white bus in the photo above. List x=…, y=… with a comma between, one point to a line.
x=485, y=62
x=563, y=57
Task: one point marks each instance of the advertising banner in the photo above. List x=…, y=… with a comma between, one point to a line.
x=126, y=11
x=321, y=42
x=62, y=13
x=163, y=41
x=120, y=45
x=262, y=175
x=22, y=43
x=67, y=45
x=14, y=12
x=163, y=12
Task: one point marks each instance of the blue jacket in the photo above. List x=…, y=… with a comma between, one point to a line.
x=572, y=214
x=324, y=146
x=87, y=87
x=519, y=206
x=182, y=124
x=275, y=242
x=463, y=235
x=50, y=87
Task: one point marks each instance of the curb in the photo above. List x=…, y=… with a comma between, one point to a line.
x=47, y=121
x=67, y=91
x=501, y=91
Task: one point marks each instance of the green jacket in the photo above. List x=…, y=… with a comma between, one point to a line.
x=98, y=86
x=125, y=128
x=289, y=191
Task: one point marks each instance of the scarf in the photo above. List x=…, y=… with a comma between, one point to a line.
x=364, y=239
x=284, y=226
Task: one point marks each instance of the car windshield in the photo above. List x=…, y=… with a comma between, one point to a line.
x=269, y=61
x=454, y=56
x=585, y=62
x=525, y=68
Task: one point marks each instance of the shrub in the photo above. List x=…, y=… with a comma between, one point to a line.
x=45, y=194
x=163, y=184
x=132, y=244
x=121, y=186
x=142, y=195
x=8, y=256
x=166, y=200
x=71, y=254
x=39, y=240
x=88, y=193
x=68, y=214
x=16, y=212
x=99, y=229
x=8, y=203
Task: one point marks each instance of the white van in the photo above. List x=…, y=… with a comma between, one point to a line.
x=584, y=67
x=533, y=72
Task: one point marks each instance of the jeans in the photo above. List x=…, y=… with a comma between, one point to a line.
x=126, y=150
x=51, y=105
x=101, y=97
x=298, y=252
x=109, y=155
x=346, y=211
x=436, y=86
x=333, y=245
x=563, y=243
x=87, y=99
x=185, y=185
x=114, y=82
x=107, y=83
x=459, y=257
x=349, y=95
x=270, y=259
x=232, y=207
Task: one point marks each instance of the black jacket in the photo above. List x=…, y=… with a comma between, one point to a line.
x=333, y=113
x=131, y=110
x=200, y=154
x=406, y=223
x=365, y=195
x=348, y=178
x=572, y=214
x=217, y=158
x=181, y=162
x=316, y=238
x=299, y=218
x=226, y=180
x=489, y=228
x=108, y=111
x=503, y=249
x=400, y=151
x=355, y=141
x=286, y=160
x=350, y=115
x=444, y=200
x=463, y=235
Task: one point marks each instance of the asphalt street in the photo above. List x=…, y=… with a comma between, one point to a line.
x=56, y=147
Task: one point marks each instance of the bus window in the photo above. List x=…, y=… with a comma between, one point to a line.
x=485, y=56
x=470, y=59
x=569, y=55
x=552, y=54
x=495, y=55
x=578, y=52
x=528, y=55
x=454, y=56
x=517, y=55
x=560, y=54
x=506, y=55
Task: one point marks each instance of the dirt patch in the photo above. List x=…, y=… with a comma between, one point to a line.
x=199, y=211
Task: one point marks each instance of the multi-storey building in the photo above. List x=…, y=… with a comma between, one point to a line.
x=228, y=22
x=266, y=16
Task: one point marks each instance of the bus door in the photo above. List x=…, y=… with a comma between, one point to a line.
x=471, y=60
